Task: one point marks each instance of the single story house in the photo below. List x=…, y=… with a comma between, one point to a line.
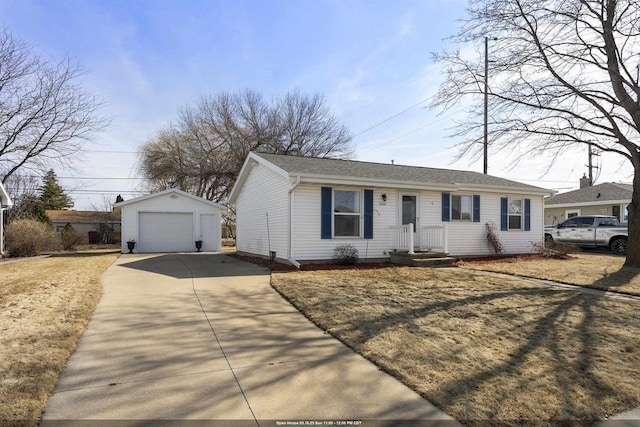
x=97, y=226
x=171, y=221
x=609, y=198
x=5, y=203
x=301, y=208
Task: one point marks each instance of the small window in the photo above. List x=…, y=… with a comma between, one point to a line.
x=346, y=213
x=461, y=207
x=515, y=214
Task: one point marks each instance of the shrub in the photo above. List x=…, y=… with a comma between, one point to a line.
x=559, y=250
x=27, y=237
x=345, y=255
x=70, y=238
x=492, y=238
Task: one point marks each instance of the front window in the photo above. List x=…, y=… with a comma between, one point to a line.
x=346, y=213
x=461, y=207
x=515, y=214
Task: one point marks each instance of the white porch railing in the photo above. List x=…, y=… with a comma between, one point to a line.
x=430, y=238
x=402, y=237
x=434, y=238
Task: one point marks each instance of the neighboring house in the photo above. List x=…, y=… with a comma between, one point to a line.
x=5, y=203
x=171, y=221
x=608, y=198
x=97, y=226
x=301, y=208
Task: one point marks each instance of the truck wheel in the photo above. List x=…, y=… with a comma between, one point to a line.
x=619, y=246
x=548, y=241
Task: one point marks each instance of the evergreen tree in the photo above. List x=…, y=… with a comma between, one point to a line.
x=33, y=208
x=52, y=195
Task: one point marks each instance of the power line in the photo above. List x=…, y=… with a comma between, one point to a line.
x=436, y=121
x=390, y=118
x=101, y=178
x=106, y=191
x=111, y=151
x=98, y=178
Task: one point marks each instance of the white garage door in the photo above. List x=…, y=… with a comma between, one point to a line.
x=165, y=232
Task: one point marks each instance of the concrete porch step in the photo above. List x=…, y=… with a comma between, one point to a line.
x=422, y=259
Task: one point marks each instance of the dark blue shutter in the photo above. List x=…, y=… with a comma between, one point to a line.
x=476, y=208
x=527, y=214
x=446, y=207
x=368, y=214
x=504, y=213
x=325, y=209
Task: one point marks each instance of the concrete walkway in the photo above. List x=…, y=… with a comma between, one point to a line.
x=204, y=336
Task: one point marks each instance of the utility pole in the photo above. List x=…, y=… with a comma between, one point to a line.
x=486, y=105
x=590, y=166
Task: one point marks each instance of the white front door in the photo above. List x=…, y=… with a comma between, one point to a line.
x=409, y=212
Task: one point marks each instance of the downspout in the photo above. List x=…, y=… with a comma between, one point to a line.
x=2, y=231
x=293, y=262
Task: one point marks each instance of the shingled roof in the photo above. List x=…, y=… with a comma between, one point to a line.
x=81, y=216
x=608, y=191
x=310, y=166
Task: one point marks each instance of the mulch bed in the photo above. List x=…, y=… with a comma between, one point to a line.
x=276, y=266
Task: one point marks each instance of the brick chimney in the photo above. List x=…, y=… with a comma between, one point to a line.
x=584, y=181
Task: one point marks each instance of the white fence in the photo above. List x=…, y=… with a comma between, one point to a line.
x=430, y=238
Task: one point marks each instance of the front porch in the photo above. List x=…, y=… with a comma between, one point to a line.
x=426, y=246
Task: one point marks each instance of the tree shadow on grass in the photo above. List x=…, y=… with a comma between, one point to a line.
x=569, y=335
x=618, y=281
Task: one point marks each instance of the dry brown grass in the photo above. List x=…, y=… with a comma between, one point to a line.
x=600, y=271
x=45, y=305
x=482, y=348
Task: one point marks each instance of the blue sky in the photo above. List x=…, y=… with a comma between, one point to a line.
x=370, y=58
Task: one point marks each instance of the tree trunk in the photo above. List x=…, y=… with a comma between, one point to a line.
x=633, y=242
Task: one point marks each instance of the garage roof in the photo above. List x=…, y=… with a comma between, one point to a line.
x=168, y=191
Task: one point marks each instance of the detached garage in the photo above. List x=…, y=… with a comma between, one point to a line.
x=171, y=221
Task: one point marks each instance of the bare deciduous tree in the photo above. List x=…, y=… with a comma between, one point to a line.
x=45, y=116
x=205, y=150
x=24, y=191
x=563, y=73
x=106, y=217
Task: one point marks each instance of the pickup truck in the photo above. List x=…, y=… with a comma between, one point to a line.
x=590, y=231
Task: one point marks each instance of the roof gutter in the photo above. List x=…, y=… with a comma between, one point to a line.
x=428, y=186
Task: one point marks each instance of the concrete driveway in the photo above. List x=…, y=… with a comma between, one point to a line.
x=204, y=336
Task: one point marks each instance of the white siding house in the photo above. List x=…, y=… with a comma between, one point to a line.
x=171, y=221
x=302, y=208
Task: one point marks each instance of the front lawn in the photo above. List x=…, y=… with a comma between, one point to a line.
x=45, y=304
x=482, y=348
x=600, y=271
